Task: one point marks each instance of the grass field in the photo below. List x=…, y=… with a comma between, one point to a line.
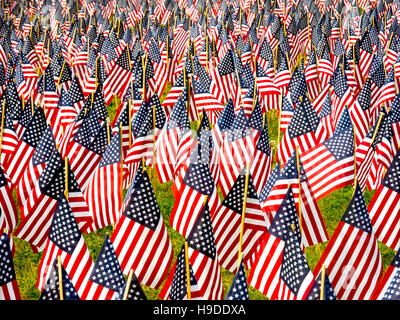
x=332, y=208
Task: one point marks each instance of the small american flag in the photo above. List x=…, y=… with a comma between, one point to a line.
x=330, y=165
x=239, y=289
x=140, y=237
x=16, y=163
x=135, y=291
x=295, y=276
x=264, y=273
x=176, y=286
x=388, y=286
x=9, y=289
x=51, y=290
x=315, y=291
x=105, y=278
x=382, y=207
x=301, y=131
x=227, y=224
x=65, y=240
x=354, y=273
x=100, y=195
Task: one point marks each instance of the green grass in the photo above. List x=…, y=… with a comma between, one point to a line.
x=332, y=208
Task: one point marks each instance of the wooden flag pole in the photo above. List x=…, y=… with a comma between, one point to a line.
x=66, y=178
x=128, y=284
x=322, y=293
x=60, y=282
x=144, y=63
x=130, y=122
x=62, y=70
x=377, y=128
x=154, y=149
x=108, y=131
x=298, y=172
x=122, y=161
x=187, y=271
x=355, y=162
x=239, y=260
x=246, y=186
x=2, y=126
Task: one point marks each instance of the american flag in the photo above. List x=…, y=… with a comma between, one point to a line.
x=43, y=152
x=295, y=276
x=39, y=208
x=311, y=74
x=227, y=224
x=268, y=91
x=76, y=95
x=236, y=150
x=10, y=137
x=315, y=291
x=86, y=148
x=65, y=241
x=52, y=288
x=383, y=208
x=8, y=214
x=203, y=258
x=119, y=77
x=135, y=291
x=9, y=289
x=16, y=163
x=140, y=237
x=100, y=195
x=239, y=289
x=143, y=137
x=366, y=151
x=205, y=100
x=160, y=78
x=330, y=164
x=388, y=286
x=67, y=110
x=223, y=74
x=167, y=144
x=352, y=256
x=105, y=277
x=174, y=93
x=265, y=270
x=197, y=186
x=176, y=286
x=262, y=163
x=301, y=131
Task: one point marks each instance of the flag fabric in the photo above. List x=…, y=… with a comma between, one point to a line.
x=327, y=291
x=51, y=290
x=176, y=286
x=203, y=259
x=135, y=291
x=227, y=220
x=330, y=165
x=265, y=271
x=140, y=237
x=65, y=241
x=105, y=278
x=16, y=163
x=100, y=195
x=383, y=208
x=39, y=208
x=9, y=289
x=388, y=286
x=352, y=257
x=239, y=288
x=295, y=276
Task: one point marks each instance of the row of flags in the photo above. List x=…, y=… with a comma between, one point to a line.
x=329, y=69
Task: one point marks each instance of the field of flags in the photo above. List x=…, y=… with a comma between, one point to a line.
x=178, y=150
